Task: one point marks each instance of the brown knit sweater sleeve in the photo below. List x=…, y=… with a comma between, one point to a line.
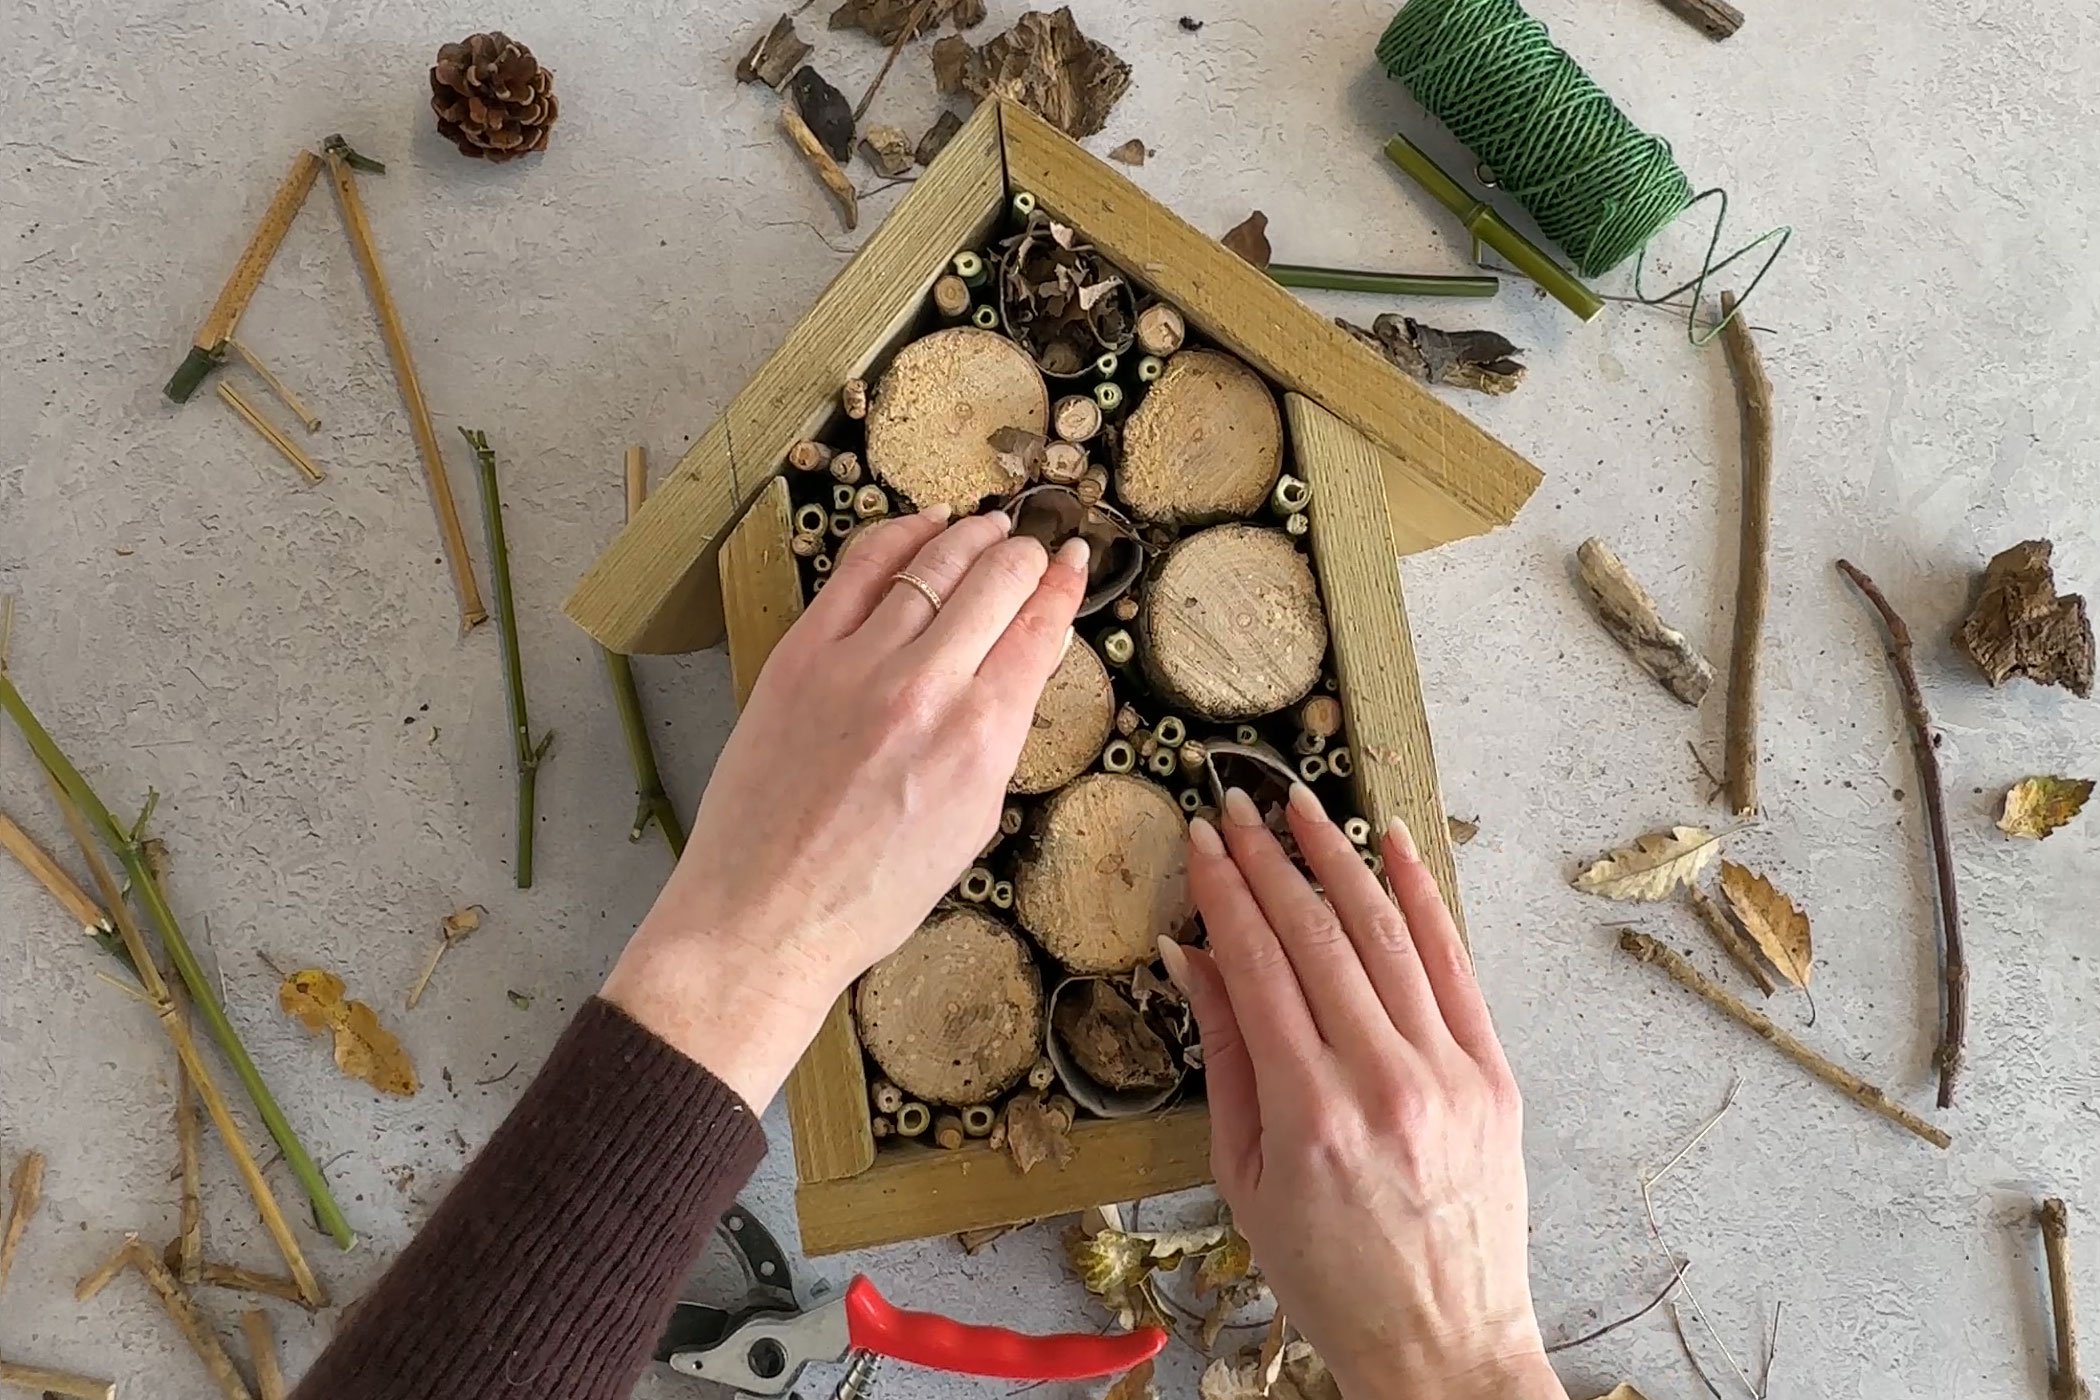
x=553, y=1264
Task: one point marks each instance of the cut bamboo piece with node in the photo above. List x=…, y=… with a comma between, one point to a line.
x=934, y=410
x=1232, y=623
x=1160, y=329
x=1205, y=445
x=209, y=344
x=955, y=1016
x=340, y=162
x=1108, y=877
x=1073, y=719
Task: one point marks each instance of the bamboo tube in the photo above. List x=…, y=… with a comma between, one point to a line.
x=262, y=1353
x=267, y=431
x=913, y=1119
x=1357, y=830
x=235, y=1279
x=1340, y=761
x=247, y=275
x=293, y=404
x=948, y=1131
x=450, y=533
x=977, y=1119
x=985, y=318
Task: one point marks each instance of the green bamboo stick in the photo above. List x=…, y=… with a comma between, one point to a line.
x=528, y=753
x=327, y=1214
x=1399, y=284
x=652, y=803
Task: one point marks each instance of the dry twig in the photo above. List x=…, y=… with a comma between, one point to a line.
x=904, y=36
x=2066, y=1381
x=1753, y=392
x=183, y=1309
x=1676, y=1277
x=267, y=431
x=53, y=877
x=50, y=1383
x=1954, y=963
x=25, y=1190
x=1648, y=950
x=1648, y=1185
x=819, y=160
x=92, y=1283
x=236, y=1279
x=189, y=1238
x=310, y=420
x=1731, y=939
x=262, y=1353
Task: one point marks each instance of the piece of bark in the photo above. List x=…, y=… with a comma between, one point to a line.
x=955, y=1016
x=1048, y=66
x=1110, y=1041
x=183, y=1309
x=954, y=58
x=1108, y=876
x=895, y=21
x=2021, y=626
x=936, y=138
x=25, y=1192
x=1205, y=445
x=824, y=110
x=1034, y=1135
x=1716, y=19
x=1250, y=238
x=1231, y=623
x=775, y=57
x=1629, y=614
x=1479, y=360
x=59, y=1383
x=1131, y=152
x=888, y=149
x=2066, y=1380
x=818, y=159
x=935, y=408
x=1073, y=719
x=1753, y=391
x=262, y=1353
x=1732, y=939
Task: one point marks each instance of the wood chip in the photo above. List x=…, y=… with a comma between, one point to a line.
x=775, y=57
x=818, y=159
x=888, y=149
x=1462, y=831
x=1479, y=360
x=936, y=138
x=1629, y=614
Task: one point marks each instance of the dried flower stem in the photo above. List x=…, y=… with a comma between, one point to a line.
x=262, y=1353
x=308, y=419
x=76, y=798
x=2066, y=1381
x=53, y=877
x=1647, y=950
x=528, y=753
x=1753, y=392
x=25, y=1190
x=195, y=1329
x=51, y=1383
x=341, y=167
x=651, y=803
x=189, y=1237
x=1954, y=963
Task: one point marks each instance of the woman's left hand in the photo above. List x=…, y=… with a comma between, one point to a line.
x=867, y=772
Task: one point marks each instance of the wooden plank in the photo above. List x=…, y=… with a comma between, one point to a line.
x=654, y=590
x=914, y=1192
x=1444, y=477
x=1374, y=653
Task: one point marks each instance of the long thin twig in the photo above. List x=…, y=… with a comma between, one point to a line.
x=1732, y=940
x=818, y=159
x=342, y=164
x=236, y=1279
x=1648, y=950
x=183, y=1309
x=25, y=1190
x=1684, y=1339
x=2066, y=1381
x=1648, y=1185
x=904, y=36
x=1954, y=962
x=1608, y=1328
x=189, y=1237
x=652, y=805
x=50, y=1383
x=1753, y=392
x=262, y=1353
x=308, y=419
x=528, y=754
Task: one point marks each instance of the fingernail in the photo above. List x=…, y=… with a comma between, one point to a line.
x=940, y=514
x=1204, y=837
x=1176, y=960
x=1240, y=809
x=1072, y=554
x=1004, y=521
x=1306, y=803
x=1065, y=650
x=1403, y=840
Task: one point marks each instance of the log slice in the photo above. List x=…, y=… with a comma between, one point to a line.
x=1072, y=721
x=1108, y=877
x=935, y=407
x=1231, y=623
x=1205, y=445
x=955, y=1016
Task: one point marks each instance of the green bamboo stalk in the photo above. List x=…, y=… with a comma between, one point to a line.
x=327, y=1214
x=652, y=803
x=1399, y=284
x=528, y=753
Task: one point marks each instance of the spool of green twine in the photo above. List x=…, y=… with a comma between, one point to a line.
x=1598, y=185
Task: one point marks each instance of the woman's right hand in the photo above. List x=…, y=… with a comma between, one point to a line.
x=1364, y=1125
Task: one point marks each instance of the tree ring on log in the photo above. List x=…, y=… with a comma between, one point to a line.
x=955, y=1016
x=935, y=408
x=1232, y=624
x=1072, y=721
x=1108, y=877
x=1205, y=445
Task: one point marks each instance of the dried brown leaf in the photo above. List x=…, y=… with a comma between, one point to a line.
x=1134, y=1384
x=1111, y=1041
x=974, y=1240
x=1231, y=1299
x=364, y=1049
x=1032, y=1135
x=1304, y=1376
x=1131, y=152
x=1048, y=66
x=1250, y=238
x=1461, y=830
x=1653, y=866
x=1779, y=929
x=1233, y=1378
x=2034, y=807
x=1225, y=1265
x=1470, y=359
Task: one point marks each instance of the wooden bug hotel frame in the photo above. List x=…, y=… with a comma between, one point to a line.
x=1393, y=471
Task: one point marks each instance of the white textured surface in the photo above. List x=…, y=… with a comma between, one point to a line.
x=192, y=618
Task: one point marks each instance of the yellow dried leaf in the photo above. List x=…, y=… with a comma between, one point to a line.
x=364, y=1049
x=1652, y=866
x=1231, y=1299
x=1779, y=929
x=2034, y=807
x=1623, y=1391
x=1233, y=1378
x=1225, y=1265
x=1306, y=1377
x=1167, y=1249
x=1134, y=1384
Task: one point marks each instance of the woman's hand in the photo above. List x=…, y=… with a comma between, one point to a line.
x=1364, y=1125
x=866, y=774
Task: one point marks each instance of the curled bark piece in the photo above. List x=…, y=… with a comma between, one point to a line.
x=1073, y=719
x=1479, y=360
x=955, y=1016
x=1753, y=391
x=935, y=408
x=1628, y=612
x=1108, y=1056
x=818, y=159
x=1232, y=623
x=1108, y=877
x=1053, y=514
x=1205, y=445
x=2021, y=626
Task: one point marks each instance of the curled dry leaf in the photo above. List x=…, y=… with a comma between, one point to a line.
x=1234, y=1378
x=1227, y=1263
x=1131, y=152
x=364, y=1049
x=1134, y=1384
x=1304, y=1376
x=1779, y=929
x=1461, y=830
x=461, y=922
x=1111, y=1041
x=2034, y=807
x=1117, y=1268
x=1032, y=1135
x=1250, y=239
x=1472, y=359
x=1652, y=866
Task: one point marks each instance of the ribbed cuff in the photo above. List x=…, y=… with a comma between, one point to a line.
x=554, y=1262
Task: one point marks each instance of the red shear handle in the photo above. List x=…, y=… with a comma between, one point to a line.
x=942, y=1344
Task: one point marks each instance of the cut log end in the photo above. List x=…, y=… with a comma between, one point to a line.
x=1232, y=623
x=1109, y=875
x=1072, y=721
x=955, y=1016
x=1205, y=445
x=1160, y=329
x=934, y=409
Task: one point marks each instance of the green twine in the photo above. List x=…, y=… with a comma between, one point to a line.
x=1598, y=185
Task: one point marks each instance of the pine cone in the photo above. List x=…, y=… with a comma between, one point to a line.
x=492, y=98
